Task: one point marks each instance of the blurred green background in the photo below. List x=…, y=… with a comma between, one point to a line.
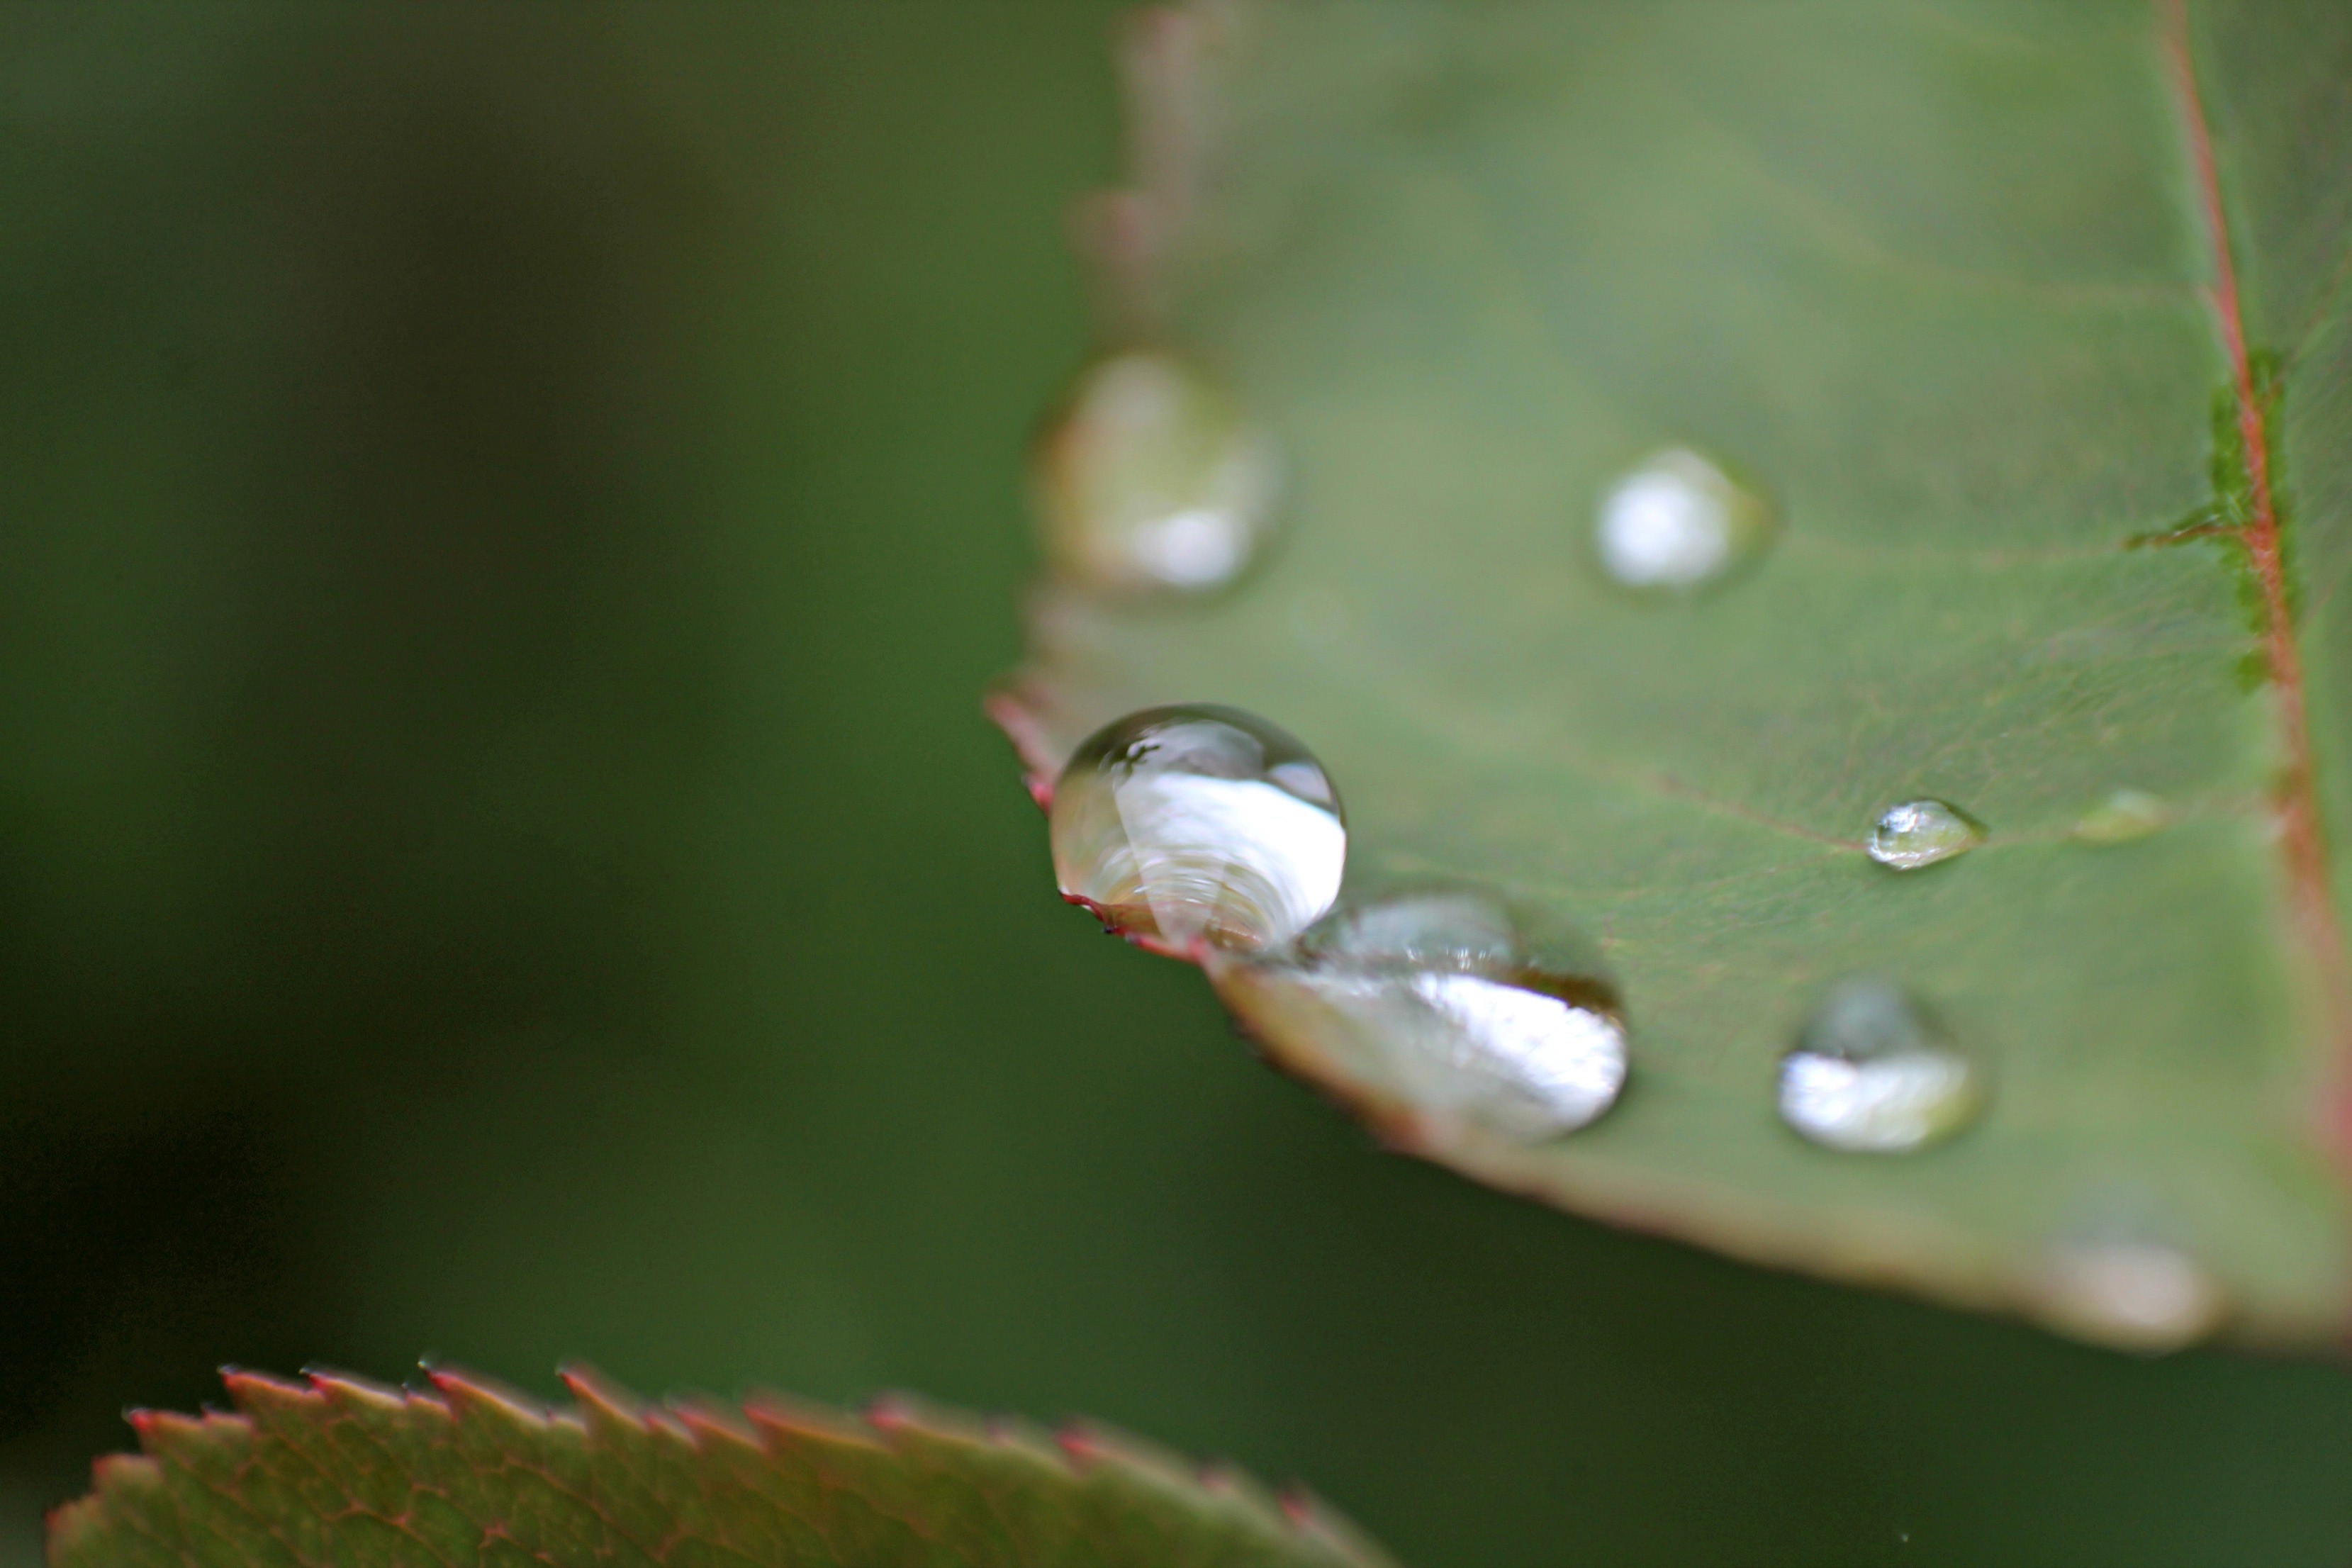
x=509, y=511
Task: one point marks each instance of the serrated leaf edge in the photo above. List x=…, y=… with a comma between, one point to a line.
x=766, y=1423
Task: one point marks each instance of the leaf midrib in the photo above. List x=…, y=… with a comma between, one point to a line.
x=2294, y=804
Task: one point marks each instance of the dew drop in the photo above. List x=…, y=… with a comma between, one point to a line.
x=2131, y=1294
x=1151, y=479
x=1440, y=993
x=1874, y=1074
x=1920, y=833
x=1197, y=823
x=2123, y=817
x=1678, y=523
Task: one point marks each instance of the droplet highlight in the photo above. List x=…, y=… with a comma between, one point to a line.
x=2124, y=816
x=1919, y=833
x=1874, y=1073
x=2129, y=1294
x=1441, y=994
x=1198, y=823
x=1151, y=479
x=1677, y=523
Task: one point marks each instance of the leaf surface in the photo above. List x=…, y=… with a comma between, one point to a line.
x=342, y=1472
x=1980, y=296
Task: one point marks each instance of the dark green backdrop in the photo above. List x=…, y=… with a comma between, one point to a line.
x=505, y=516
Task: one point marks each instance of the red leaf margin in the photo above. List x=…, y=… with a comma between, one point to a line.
x=768, y=1425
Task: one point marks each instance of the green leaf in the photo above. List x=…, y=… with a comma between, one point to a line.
x=344, y=1471
x=1980, y=297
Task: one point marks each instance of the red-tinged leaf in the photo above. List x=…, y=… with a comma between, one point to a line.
x=337, y=1470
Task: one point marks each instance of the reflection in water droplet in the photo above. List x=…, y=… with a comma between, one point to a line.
x=1677, y=523
x=2127, y=815
x=1440, y=991
x=1920, y=833
x=2134, y=1295
x=1178, y=823
x=1874, y=1074
x=1151, y=479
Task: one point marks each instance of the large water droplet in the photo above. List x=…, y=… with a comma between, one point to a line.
x=1920, y=833
x=2130, y=1293
x=2123, y=817
x=1440, y=993
x=1678, y=523
x=1186, y=824
x=1874, y=1074
x=1151, y=479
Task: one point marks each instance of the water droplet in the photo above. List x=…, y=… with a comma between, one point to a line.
x=2131, y=1294
x=2127, y=815
x=1678, y=523
x=1439, y=992
x=1874, y=1074
x=1197, y=823
x=1151, y=479
x=1920, y=833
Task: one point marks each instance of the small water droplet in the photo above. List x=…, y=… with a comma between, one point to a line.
x=2129, y=1293
x=1678, y=523
x=1197, y=823
x=1441, y=990
x=2123, y=817
x=1874, y=1074
x=1151, y=479
x=1922, y=832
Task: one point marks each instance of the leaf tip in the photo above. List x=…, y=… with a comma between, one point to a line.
x=897, y=1413
x=600, y=1397
x=253, y=1392
x=1012, y=715
x=472, y=1394
x=1223, y=1477
x=886, y=1412
x=1090, y=1444
x=349, y=1388
x=709, y=1421
x=786, y=1420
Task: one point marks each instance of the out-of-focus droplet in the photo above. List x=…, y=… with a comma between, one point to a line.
x=2123, y=817
x=1439, y=992
x=1186, y=824
x=1874, y=1074
x=1920, y=833
x=2131, y=1294
x=1677, y=523
x=1151, y=479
